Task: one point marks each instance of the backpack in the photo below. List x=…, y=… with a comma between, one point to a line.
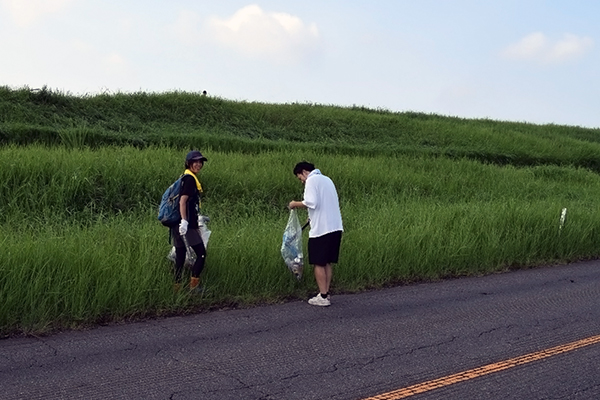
x=168, y=210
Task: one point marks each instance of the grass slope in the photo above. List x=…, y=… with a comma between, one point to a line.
x=422, y=196
x=188, y=119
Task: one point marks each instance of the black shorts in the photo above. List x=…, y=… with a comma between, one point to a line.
x=324, y=249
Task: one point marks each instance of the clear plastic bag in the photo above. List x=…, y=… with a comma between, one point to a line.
x=190, y=254
x=204, y=231
x=291, y=248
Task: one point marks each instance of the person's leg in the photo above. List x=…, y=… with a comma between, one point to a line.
x=200, y=260
x=321, y=299
x=328, y=274
x=179, y=261
x=333, y=251
x=193, y=240
x=317, y=256
x=322, y=279
x=198, y=265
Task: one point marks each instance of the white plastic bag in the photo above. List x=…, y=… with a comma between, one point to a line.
x=291, y=248
x=190, y=254
x=204, y=231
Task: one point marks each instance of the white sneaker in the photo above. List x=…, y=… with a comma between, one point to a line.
x=319, y=301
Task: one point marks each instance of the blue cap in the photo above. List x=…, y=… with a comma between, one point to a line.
x=195, y=155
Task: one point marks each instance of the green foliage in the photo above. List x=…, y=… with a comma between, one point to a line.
x=184, y=120
x=423, y=197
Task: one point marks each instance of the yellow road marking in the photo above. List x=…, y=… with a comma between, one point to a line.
x=485, y=370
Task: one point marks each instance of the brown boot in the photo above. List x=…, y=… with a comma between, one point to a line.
x=194, y=282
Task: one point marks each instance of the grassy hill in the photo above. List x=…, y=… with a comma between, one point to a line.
x=423, y=197
x=188, y=119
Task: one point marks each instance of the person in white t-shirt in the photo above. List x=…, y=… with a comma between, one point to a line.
x=325, y=236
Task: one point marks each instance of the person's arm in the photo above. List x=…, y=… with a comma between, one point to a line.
x=296, y=204
x=183, y=206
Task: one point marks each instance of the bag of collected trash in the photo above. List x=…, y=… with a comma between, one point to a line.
x=204, y=231
x=190, y=254
x=291, y=248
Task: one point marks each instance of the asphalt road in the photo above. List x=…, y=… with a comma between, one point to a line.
x=363, y=345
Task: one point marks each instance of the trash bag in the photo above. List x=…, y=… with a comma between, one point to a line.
x=291, y=248
x=190, y=254
x=204, y=231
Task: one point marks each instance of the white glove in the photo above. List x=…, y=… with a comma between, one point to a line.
x=183, y=227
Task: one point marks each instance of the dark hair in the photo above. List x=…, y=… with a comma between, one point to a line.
x=303, y=166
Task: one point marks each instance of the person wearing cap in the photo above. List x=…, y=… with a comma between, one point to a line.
x=189, y=205
x=325, y=235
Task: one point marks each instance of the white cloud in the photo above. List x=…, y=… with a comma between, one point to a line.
x=529, y=47
x=571, y=46
x=27, y=12
x=537, y=47
x=254, y=32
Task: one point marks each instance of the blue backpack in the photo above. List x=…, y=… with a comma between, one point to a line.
x=168, y=210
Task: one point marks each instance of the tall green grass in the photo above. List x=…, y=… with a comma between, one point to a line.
x=422, y=196
x=83, y=184
x=82, y=245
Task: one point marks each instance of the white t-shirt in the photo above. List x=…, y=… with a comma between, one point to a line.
x=321, y=199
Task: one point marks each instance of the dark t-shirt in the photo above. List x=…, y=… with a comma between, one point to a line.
x=189, y=188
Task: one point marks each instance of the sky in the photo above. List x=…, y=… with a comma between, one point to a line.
x=535, y=61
